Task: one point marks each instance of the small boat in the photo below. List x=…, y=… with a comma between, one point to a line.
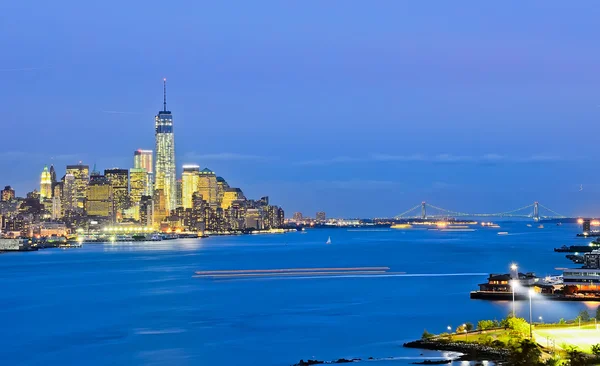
x=528, y=225
x=328, y=240
x=541, y=226
x=559, y=224
x=503, y=233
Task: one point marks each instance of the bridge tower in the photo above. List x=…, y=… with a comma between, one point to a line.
x=536, y=211
x=423, y=210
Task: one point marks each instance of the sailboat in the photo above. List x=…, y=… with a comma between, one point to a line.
x=328, y=240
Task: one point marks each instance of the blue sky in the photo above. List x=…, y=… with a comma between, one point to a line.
x=352, y=107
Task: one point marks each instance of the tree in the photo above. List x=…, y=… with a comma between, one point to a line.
x=518, y=326
x=426, y=335
x=525, y=353
x=596, y=349
x=584, y=316
x=575, y=357
x=562, y=321
x=469, y=326
x=485, y=324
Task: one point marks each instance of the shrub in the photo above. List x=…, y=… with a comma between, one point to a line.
x=426, y=335
x=485, y=324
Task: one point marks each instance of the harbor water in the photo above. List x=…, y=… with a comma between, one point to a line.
x=140, y=304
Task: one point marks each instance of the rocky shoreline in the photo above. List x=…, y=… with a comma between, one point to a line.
x=470, y=351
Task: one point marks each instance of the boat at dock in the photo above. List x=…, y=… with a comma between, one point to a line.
x=503, y=233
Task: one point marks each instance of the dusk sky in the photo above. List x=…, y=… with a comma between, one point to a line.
x=356, y=108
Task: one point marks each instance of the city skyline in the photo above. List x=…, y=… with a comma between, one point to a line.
x=435, y=108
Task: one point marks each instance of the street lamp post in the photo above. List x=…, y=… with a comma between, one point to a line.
x=541, y=320
x=466, y=332
x=513, y=283
x=531, y=291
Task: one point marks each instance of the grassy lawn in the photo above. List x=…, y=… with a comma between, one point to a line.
x=501, y=335
x=583, y=338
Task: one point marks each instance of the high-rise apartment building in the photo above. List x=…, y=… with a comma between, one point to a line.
x=222, y=186
x=207, y=186
x=52, y=175
x=45, y=184
x=119, y=180
x=190, y=178
x=297, y=216
x=81, y=175
x=178, y=193
x=7, y=194
x=164, y=171
x=99, y=202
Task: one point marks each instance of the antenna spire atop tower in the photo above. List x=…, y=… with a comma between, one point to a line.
x=164, y=94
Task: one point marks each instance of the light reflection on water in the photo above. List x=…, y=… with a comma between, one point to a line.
x=138, y=303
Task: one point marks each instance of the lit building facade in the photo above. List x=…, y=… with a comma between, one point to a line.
x=321, y=217
x=165, y=168
x=99, y=201
x=119, y=180
x=230, y=195
x=138, y=185
x=207, y=186
x=142, y=159
x=297, y=216
x=81, y=175
x=69, y=194
x=222, y=186
x=147, y=211
x=45, y=184
x=7, y=194
x=190, y=179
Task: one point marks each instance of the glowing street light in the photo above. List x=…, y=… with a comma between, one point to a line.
x=541, y=319
x=513, y=283
x=466, y=332
x=450, y=329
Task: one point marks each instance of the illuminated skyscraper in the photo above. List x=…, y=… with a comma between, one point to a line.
x=45, y=184
x=99, y=201
x=178, y=192
x=146, y=211
x=142, y=159
x=119, y=180
x=137, y=184
x=69, y=193
x=207, y=186
x=165, y=155
x=320, y=217
x=189, y=184
x=81, y=173
x=221, y=188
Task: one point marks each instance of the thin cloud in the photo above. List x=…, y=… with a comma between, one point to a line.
x=23, y=69
x=225, y=157
x=437, y=159
x=120, y=112
x=24, y=155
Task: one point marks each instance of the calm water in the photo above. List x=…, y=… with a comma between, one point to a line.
x=130, y=304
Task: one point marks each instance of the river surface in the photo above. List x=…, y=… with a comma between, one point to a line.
x=139, y=304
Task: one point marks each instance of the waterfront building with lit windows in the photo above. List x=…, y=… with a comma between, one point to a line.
x=222, y=186
x=146, y=211
x=190, y=178
x=179, y=193
x=165, y=169
x=321, y=217
x=69, y=194
x=297, y=216
x=119, y=180
x=45, y=184
x=143, y=159
x=81, y=175
x=138, y=184
x=99, y=202
x=207, y=186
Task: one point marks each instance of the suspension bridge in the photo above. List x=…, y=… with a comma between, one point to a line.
x=424, y=210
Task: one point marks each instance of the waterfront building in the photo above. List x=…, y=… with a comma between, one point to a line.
x=207, y=186
x=263, y=201
x=81, y=175
x=119, y=181
x=592, y=260
x=146, y=211
x=99, y=201
x=254, y=219
x=57, y=212
x=7, y=194
x=587, y=227
x=230, y=195
x=45, y=184
x=321, y=217
x=165, y=155
x=297, y=216
x=274, y=217
x=190, y=179
x=586, y=279
x=236, y=215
